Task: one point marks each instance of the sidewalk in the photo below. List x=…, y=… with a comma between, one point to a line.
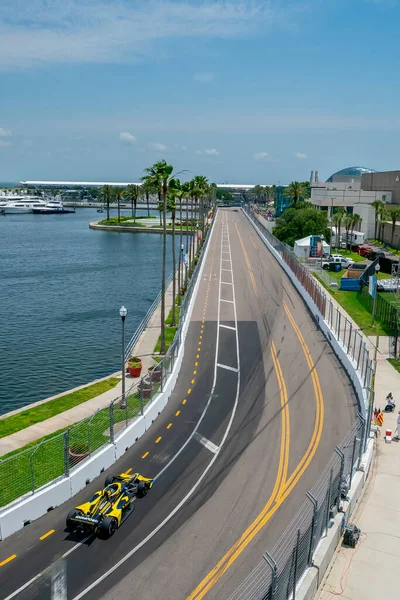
x=144, y=348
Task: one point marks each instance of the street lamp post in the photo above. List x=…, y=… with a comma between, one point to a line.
x=322, y=248
x=377, y=269
x=123, y=312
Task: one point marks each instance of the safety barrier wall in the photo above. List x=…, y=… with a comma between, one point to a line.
x=40, y=478
x=278, y=574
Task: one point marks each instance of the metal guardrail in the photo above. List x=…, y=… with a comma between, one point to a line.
x=275, y=577
x=25, y=471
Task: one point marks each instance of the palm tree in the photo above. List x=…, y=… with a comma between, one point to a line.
x=186, y=195
x=147, y=189
x=178, y=193
x=384, y=217
x=132, y=193
x=395, y=216
x=258, y=192
x=347, y=221
x=200, y=189
x=106, y=195
x=296, y=190
x=337, y=219
x=159, y=176
x=118, y=192
x=378, y=206
x=173, y=193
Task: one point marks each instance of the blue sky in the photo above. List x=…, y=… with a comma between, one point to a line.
x=245, y=91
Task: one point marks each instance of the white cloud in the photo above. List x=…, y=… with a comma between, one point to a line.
x=127, y=138
x=211, y=152
x=300, y=155
x=205, y=77
x=99, y=31
x=4, y=132
x=260, y=155
x=157, y=146
x=4, y=144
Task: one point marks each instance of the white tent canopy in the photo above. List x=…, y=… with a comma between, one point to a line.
x=302, y=247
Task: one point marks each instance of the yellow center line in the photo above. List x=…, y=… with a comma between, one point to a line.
x=193, y=380
x=195, y=372
x=178, y=412
x=169, y=425
x=45, y=535
x=196, y=364
x=145, y=454
x=159, y=439
x=246, y=258
x=7, y=560
x=189, y=391
x=225, y=562
x=128, y=470
x=198, y=349
x=184, y=401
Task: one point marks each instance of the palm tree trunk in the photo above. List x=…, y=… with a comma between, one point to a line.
x=160, y=208
x=180, y=253
x=108, y=208
x=132, y=208
x=173, y=323
x=187, y=242
x=164, y=260
x=134, y=213
x=119, y=209
x=376, y=223
x=191, y=247
x=148, y=204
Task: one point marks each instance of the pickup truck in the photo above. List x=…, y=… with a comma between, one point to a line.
x=338, y=260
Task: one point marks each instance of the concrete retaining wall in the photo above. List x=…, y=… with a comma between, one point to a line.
x=16, y=516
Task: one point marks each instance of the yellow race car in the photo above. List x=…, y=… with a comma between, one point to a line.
x=109, y=507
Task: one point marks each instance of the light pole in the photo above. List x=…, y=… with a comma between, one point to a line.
x=123, y=312
x=377, y=269
x=322, y=248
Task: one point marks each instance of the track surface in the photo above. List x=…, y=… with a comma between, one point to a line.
x=259, y=405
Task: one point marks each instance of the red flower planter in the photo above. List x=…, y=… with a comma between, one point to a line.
x=154, y=374
x=135, y=371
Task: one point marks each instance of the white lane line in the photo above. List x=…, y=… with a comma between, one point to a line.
x=229, y=301
x=229, y=270
x=226, y=259
x=202, y=476
x=28, y=583
x=207, y=443
x=226, y=282
x=227, y=368
x=228, y=327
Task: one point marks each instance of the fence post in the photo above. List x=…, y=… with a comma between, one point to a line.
x=66, y=454
x=141, y=397
x=314, y=502
x=328, y=508
x=274, y=570
x=31, y=470
x=349, y=343
x=341, y=456
x=338, y=325
x=296, y=557
x=111, y=422
x=359, y=353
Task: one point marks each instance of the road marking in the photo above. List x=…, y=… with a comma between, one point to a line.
x=198, y=356
x=189, y=391
x=246, y=258
x=7, y=560
x=227, y=368
x=229, y=270
x=196, y=364
x=45, y=535
x=158, y=439
x=198, y=349
x=178, y=412
x=199, y=343
x=201, y=337
x=184, y=401
x=206, y=443
x=169, y=425
x=228, y=301
x=195, y=372
x=145, y=454
x=128, y=470
x=199, y=481
x=227, y=327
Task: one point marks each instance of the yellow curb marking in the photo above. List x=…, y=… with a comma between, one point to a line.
x=45, y=535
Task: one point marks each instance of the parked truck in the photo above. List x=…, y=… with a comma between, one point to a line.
x=355, y=238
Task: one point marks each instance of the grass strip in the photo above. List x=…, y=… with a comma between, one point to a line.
x=395, y=362
x=169, y=331
x=44, y=411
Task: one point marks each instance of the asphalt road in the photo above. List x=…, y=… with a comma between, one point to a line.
x=259, y=405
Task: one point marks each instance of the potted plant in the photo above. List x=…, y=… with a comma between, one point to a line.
x=146, y=387
x=154, y=372
x=135, y=366
x=77, y=452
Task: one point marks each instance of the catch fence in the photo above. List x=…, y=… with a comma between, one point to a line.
x=25, y=471
x=279, y=571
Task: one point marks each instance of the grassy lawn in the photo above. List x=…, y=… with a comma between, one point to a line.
x=349, y=254
x=349, y=302
x=42, y=461
x=169, y=331
x=31, y=416
x=395, y=362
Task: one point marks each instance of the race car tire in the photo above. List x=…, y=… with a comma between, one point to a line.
x=107, y=527
x=68, y=522
x=141, y=489
x=109, y=480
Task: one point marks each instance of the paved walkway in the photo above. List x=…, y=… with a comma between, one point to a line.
x=144, y=348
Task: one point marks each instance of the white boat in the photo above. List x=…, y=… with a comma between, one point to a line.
x=53, y=207
x=20, y=204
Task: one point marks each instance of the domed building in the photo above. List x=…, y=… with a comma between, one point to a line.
x=349, y=175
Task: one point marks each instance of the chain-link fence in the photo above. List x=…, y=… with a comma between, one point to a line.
x=25, y=471
x=276, y=576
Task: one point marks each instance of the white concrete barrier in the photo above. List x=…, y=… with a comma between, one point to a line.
x=15, y=516
x=20, y=514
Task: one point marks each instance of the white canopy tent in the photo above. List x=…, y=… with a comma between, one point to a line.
x=303, y=247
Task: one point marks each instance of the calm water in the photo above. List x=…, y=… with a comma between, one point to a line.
x=61, y=287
